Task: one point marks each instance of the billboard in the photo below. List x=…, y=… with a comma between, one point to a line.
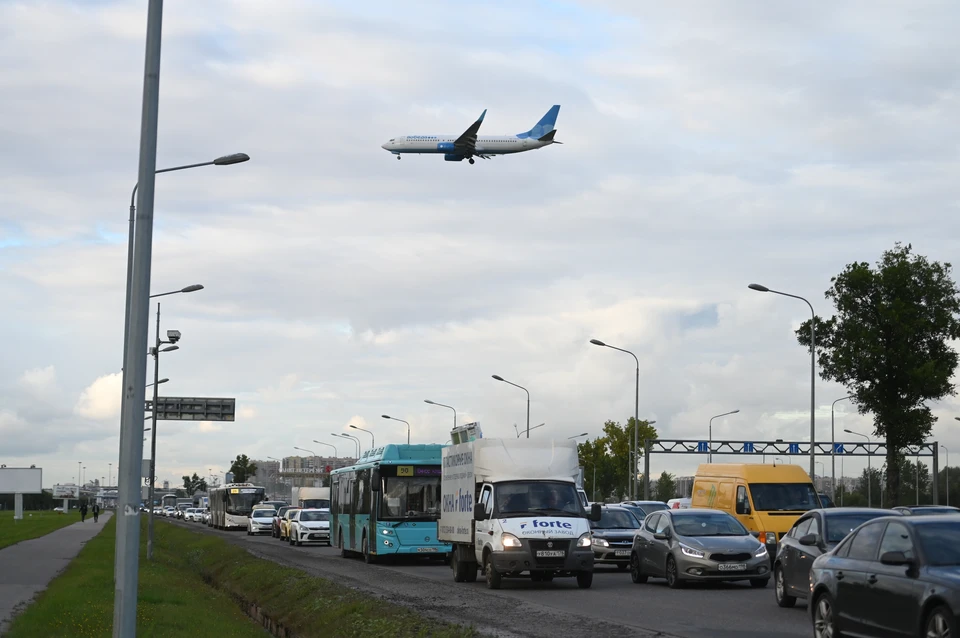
x=21, y=480
x=66, y=491
x=194, y=409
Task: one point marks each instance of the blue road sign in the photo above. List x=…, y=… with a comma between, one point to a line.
x=794, y=448
x=838, y=448
x=702, y=446
x=748, y=448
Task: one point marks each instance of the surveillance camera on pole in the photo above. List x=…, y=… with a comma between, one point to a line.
x=173, y=336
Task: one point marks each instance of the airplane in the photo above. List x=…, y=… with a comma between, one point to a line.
x=468, y=145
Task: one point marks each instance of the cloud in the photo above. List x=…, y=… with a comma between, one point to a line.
x=40, y=381
x=101, y=399
x=209, y=426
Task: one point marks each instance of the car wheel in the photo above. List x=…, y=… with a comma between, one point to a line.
x=636, y=573
x=584, y=580
x=824, y=620
x=673, y=578
x=783, y=598
x=940, y=624
x=759, y=583
x=494, y=580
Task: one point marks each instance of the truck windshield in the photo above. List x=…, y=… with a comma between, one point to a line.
x=784, y=497
x=521, y=498
x=410, y=497
x=315, y=503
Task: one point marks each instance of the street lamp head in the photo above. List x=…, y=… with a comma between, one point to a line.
x=849, y=431
x=162, y=381
x=192, y=288
x=957, y=418
x=387, y=416
x=758, y=288
x=735, y=412
x=170, y=348
x=354, y=427
x=597, y=342
x=235, y=158
x=427, y=401
x=498, y=377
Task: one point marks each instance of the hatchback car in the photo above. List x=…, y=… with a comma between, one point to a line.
x=310, y=526
x=815, y=533
x=285, y=522
x=277, y=518
x=697, y=545
x=613, y=536
x=260, y=521
x=892, y=576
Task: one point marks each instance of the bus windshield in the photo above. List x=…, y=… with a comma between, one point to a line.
x=410, y=497
x=240, y=501
x=784, y=497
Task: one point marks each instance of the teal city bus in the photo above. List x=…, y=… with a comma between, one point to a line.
x=388, y=503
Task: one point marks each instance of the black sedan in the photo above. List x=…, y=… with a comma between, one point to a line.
x=815, y=533
x=613, y=536
x=923, y=510
x=892, y=576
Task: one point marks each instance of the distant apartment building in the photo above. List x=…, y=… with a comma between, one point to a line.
x=314, y=463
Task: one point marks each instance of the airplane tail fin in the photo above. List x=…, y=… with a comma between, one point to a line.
x=545, y=125
x=549, y=138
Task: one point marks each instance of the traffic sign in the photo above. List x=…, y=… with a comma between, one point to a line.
x=194, y=409
x=794, y=448
x=838, y=448
x=329, y=469
x=702, y=446
x=748, y=448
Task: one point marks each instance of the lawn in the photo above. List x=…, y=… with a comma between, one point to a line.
x=173, y=601
x=33, y=525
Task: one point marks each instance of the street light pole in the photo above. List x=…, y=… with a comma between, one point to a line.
x=833, y=448
x=533, y=428
x=373, y=440
x=869, y=471
x=635, y=445
x=813, y=368
x=443, y=406
x=710, y=434
x=355, y=440
x=335, y=453
x=499, y=378
x=387, y=416
x=946, y=474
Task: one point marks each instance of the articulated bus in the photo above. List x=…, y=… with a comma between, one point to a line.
x=231, y=504
x=168, y=499
x=388, y=503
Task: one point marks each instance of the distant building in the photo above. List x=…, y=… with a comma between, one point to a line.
x=684, y=486
x=314, y=463
x=166, y=485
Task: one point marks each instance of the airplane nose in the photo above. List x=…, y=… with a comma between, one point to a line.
x=384, y=146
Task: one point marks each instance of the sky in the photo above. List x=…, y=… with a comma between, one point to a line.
x=705, y=146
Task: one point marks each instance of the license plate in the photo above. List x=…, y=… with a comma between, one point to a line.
x=551, y=553
x=622, y=552
x=426, y=550
x=732, y=567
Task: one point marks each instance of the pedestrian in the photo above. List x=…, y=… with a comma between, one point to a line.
x=96, y=512
x=83, y=512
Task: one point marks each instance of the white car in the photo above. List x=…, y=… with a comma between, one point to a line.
x=192, y=514
x=310, y=526
x=261, y=521
x=169, y=511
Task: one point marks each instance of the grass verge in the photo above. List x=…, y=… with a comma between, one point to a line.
x=33, y=525
x=173, y=601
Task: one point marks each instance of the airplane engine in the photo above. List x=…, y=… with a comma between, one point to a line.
x=453, y=157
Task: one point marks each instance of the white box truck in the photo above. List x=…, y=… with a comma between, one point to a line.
x=310, y=497
x=510, y=507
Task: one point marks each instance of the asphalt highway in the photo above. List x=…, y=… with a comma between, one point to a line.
x=613, y=606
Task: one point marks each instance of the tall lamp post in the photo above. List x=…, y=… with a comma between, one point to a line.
x=499, y=378
x=710, y=433
x=519, y=432
x=443, y=405
x=869, y=471
x=813, y=370
x=635, y=445
x=833, y=448
x=173, y=336
x=946, y=474
x=373, y=440
x=577, y=436
x=335, y=453
x=387, y=416
x=355, y=440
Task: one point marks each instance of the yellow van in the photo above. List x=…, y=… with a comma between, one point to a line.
x=767, y=499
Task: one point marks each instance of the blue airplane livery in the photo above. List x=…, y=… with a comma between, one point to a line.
x=468, y=145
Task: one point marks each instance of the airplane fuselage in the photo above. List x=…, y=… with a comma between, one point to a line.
x=444, y=144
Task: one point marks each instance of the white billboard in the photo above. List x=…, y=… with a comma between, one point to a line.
x=21, y=480
x=66, y=491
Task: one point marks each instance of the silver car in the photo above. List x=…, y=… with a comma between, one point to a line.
x=697, y=545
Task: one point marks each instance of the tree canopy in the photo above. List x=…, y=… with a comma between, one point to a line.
x=608, y=458
x=888, y=344
x=194, y=484
x=242, y=469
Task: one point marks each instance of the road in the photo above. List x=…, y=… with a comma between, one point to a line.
x=613, y=606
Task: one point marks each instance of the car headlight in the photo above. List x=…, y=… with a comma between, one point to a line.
x=770, y=538
x=585, y=540
x=761, y=551
x=600, y=542
x=689, y=551
x=510, y=541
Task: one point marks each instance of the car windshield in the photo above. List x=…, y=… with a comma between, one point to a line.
x=522, y=498
x=708, y=525
x=263, y=513
x=410, y=497
x=839, y=526
x=648, y=508
x=615, y=519
x=314, y=516
x=784, y=497
x=940, y=542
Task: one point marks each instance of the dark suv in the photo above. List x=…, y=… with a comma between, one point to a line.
x=613, y=536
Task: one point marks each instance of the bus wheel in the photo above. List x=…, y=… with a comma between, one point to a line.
x=343, y=551
x=365, y=548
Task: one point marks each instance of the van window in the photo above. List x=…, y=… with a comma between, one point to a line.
x=743, y=504
x=784, y=497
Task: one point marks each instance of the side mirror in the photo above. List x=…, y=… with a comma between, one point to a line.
x=895, y=558
x=809, y=539
x=661, y=536
x=479, y=512
x=595, y=512
x=375, y=479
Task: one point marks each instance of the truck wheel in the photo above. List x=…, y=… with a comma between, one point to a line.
x=494, y=578
x=459, y=575
x=584, y=580
x=470, y=572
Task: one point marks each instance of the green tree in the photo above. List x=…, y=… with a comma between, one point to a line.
x=242, y=469
x=666, y=487
x=888, y=344
x=608, y=456
x=194, y=484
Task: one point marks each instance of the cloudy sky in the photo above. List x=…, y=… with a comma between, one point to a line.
x=706, y=146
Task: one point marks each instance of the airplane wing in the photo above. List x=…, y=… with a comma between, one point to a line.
x=466, y=144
